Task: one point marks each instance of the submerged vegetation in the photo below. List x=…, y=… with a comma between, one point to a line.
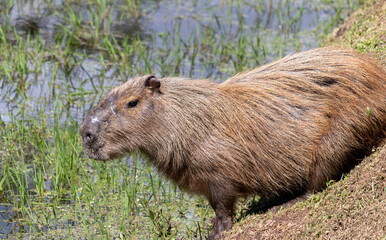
x=58, y=58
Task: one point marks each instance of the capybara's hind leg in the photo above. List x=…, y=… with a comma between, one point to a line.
x=336, y=153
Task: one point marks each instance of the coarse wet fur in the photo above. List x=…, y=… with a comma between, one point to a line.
x=284, y=128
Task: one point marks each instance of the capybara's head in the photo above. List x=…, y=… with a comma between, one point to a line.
x=120, y=122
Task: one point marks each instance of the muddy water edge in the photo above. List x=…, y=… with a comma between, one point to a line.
x=58, y=58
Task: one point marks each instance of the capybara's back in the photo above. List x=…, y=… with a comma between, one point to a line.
x=283, y=128
x=321, y=111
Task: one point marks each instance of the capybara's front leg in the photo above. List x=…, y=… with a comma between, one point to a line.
x=220, y=223
x=223, y=207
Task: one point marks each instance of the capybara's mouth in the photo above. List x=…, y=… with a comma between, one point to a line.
x=96, y=152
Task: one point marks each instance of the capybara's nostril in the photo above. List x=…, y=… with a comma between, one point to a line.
x=88, y=137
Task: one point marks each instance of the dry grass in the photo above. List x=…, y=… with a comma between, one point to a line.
x=364, y=30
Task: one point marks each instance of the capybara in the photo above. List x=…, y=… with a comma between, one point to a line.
x=284, y=128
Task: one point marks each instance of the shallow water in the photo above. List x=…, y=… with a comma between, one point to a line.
x=161, y=25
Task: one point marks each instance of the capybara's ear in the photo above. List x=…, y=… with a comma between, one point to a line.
x=152, y=83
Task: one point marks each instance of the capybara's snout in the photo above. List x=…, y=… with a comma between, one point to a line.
x=90, y=131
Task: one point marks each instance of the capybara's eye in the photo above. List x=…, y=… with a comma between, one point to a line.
x=132, y=104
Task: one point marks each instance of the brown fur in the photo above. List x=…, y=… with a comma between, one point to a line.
x=283, y=128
